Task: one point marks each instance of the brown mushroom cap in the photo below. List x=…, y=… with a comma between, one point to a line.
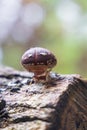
x=37, y=56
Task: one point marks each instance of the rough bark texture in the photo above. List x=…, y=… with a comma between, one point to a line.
x=60, y=104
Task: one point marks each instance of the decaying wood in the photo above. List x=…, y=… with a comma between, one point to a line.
x=60, y=104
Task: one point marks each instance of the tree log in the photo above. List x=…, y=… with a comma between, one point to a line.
x=60, y=104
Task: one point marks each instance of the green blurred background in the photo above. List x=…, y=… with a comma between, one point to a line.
x=58, y=25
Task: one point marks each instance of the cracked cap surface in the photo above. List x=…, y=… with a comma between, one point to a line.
x=39, y=59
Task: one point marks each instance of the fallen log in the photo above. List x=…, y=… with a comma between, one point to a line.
x=60, y=104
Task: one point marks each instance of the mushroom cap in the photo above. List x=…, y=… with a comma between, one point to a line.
x=39, y=58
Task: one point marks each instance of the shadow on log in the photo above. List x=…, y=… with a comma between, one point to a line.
x=58, y=105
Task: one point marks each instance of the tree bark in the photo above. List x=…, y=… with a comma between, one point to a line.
x=60, y=104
